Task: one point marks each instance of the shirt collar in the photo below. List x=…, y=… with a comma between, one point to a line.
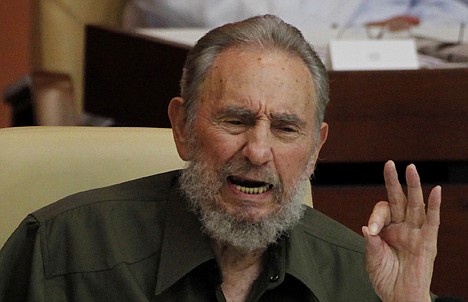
x=184, y=246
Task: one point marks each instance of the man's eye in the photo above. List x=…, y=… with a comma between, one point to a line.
x=234, y=122
x=288, y=129
x=233, y=126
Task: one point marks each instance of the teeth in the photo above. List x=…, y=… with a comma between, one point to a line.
x=257, y=190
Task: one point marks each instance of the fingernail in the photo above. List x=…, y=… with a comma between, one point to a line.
x=374, y=229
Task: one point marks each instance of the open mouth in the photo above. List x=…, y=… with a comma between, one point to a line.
x=249, y=186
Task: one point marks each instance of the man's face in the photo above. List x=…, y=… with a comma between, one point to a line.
x=252, y=146
x=255, y=130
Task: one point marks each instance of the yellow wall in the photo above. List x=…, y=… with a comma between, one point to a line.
x=58, y=34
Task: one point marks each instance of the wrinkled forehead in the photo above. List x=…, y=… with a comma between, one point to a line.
x=259, y=73
x=248, y=51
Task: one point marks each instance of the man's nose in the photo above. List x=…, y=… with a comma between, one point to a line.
x=258, y=146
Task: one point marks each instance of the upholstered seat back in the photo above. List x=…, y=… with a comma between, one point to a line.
x=40, y=165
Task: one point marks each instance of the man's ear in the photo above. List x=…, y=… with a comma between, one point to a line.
x=323, y=132
x=323, y=135
x=178, y=118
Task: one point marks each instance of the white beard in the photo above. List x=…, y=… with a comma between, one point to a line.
x=201, y=185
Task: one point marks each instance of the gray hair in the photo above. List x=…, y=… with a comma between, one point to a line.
x=263, y=31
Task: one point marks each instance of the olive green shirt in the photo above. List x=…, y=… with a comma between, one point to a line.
x=137, y=241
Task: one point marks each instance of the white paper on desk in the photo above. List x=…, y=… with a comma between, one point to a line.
x=373, y=54
x=448, y=33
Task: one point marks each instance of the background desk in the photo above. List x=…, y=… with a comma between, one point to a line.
x=409, y=116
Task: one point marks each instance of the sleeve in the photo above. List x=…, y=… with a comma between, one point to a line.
x=21, y=265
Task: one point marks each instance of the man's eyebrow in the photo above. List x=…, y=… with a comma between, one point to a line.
x=247, y=114
x=238, y=112
x=288, y=118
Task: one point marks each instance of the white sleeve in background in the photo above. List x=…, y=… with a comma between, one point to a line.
x=429, y=11
x=210, y=13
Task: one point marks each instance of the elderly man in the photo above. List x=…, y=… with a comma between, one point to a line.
x=232, y=225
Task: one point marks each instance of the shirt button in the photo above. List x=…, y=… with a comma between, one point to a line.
x=274, y=278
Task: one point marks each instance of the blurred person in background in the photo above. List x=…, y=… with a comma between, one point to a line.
x=305, y=14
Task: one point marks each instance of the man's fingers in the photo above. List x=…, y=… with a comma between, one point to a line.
x=415, y=212
x=433, y=207
x=396, y=196
x=380, y=217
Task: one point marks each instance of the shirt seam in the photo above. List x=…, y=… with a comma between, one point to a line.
x=90, y=204
x=349, y=247
x=52, y=276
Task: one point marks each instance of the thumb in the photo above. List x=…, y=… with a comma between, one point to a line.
x=373, y=242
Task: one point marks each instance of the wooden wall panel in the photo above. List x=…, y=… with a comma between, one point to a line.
x=15, y=26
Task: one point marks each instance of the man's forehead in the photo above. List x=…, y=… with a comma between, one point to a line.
x=236, y=60
x=237, y=75
x=254, y=50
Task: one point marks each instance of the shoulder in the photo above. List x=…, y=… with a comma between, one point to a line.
x=335, y=254
x=318, y=226
x=97, y=229
x=154, y=188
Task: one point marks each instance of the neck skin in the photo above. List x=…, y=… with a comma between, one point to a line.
x=240, y=270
